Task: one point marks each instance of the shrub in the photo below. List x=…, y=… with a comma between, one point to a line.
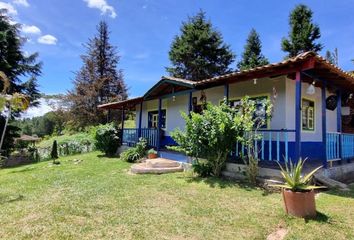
x=212, y=134
x=54, y=153
x=203, y=169
x=152, y=151
x=107, y=139
x=135, y=153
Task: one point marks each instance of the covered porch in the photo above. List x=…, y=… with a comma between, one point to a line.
x=275, y=144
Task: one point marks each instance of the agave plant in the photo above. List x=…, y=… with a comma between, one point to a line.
x=294, y=180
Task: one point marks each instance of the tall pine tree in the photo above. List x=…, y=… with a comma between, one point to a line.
x=199, y=52
x=252, y=55
x=303, y=33
x=15, y=63
x=98, y=81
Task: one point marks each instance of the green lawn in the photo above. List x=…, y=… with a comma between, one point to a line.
x=99, y=199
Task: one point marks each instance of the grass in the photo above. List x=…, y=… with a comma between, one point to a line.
x=99, y=199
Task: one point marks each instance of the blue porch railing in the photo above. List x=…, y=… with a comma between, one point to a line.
x=271, y=145
x=131, y=136
x=340, y=146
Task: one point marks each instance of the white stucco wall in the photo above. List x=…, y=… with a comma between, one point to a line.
x=316, y=135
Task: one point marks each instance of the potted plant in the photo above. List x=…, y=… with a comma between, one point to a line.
x=298, y=194
x=152, y=153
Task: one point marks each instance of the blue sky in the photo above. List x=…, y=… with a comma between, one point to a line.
x=143, y=30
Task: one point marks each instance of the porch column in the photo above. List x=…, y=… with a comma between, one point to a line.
x=123, y=116
x=159, y=123
x=190, y=102
x=324, y=124
x=339, y=111
x=140, y=119
x=297, y=116
x=226, y=92
x=339, y=120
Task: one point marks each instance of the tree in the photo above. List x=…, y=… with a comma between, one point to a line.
x=303, y=33
x=15, y=66
x=332, y=57
x=14, y=63
x=199, y=52
x=54, y=152
x=98, y=81
x=252, y=55
x=14, y=102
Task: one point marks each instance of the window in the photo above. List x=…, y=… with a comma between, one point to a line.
x=153, y=118
x=308, y=115
x=260, y=112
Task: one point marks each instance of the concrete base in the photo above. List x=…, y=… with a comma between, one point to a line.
x=157, y=166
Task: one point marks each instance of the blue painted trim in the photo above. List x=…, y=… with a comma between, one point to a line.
x=159, y=125
x=324, y=124
x=298, y=116
x=140, y=118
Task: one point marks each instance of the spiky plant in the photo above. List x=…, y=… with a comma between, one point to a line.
x=294, y=180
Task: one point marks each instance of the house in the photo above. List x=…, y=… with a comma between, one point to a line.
x=309, y=94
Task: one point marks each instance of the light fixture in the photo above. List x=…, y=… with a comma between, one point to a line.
x=173, y=98
x=311, y=89
x=255, y=81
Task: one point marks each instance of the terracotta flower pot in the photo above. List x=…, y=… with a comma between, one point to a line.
x=152, y=155
x=299, y=204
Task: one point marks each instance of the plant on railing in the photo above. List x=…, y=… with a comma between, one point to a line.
x=252, y=121
x=107, y=139
x=136, y=153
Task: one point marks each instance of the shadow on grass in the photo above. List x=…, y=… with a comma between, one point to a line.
x=28, y=169
x=221, y=182
x=320, y=217
x=4, y=199
x=341, y=193
x=107, y=156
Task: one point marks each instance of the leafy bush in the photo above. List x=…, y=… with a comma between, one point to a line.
x=107, y=139
x=212, y=134
x=203, y=169
x=135, y=153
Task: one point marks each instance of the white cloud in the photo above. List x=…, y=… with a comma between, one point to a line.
x=23, y=3
x=31, y=29
x=10, y=9
x=47, y=39
x=103, y=6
